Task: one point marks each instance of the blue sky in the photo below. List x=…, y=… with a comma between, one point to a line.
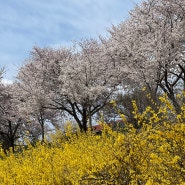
x=25, y=23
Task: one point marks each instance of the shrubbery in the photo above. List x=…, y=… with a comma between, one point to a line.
x=153, y=154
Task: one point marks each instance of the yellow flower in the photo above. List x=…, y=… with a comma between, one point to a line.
x=144, y=89
x=149, y=182
x=175, y=159
x=178, y=95
x=113, y=102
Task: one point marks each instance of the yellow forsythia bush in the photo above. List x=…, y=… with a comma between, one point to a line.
x=153, y=155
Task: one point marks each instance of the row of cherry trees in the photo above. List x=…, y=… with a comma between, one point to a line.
x=147, y=49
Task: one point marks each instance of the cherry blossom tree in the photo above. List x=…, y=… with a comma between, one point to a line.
x=89, y=81
x=151, y=45
x=11, y=121
x=34, y=91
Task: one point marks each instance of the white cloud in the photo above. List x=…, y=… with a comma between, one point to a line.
x=6, y=81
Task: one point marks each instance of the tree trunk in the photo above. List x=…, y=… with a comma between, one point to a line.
x=84, y=119
x=42, y=132
x=7, y=144
x=90, y=118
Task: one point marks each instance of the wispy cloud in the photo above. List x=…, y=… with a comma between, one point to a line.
x=6, y=81
x=24, y=23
